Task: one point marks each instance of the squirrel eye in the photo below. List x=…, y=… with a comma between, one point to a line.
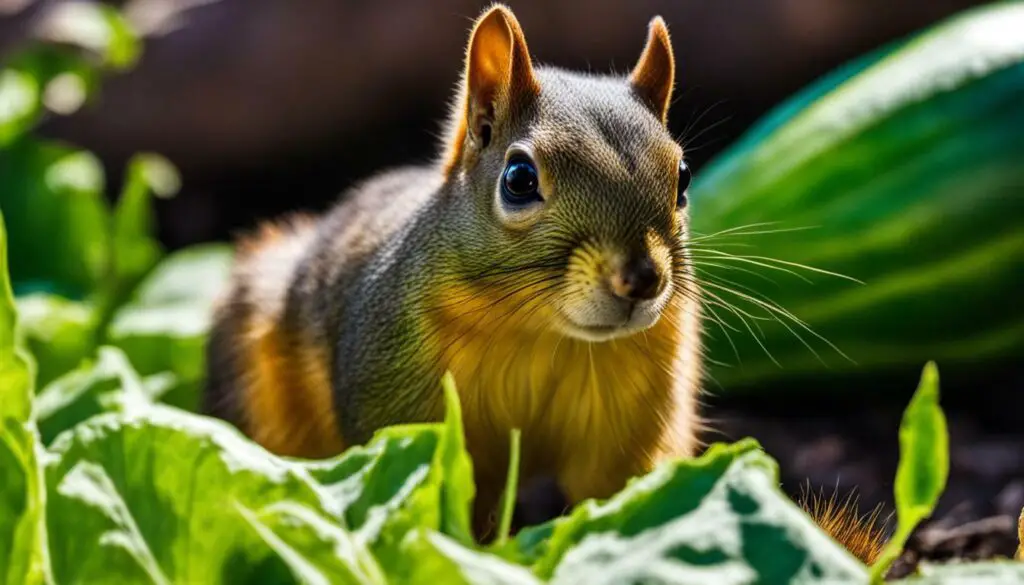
x=519, y=183
x=684, y=184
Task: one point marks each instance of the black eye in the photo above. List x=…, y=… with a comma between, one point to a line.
x=684, y=184
x=519, y=183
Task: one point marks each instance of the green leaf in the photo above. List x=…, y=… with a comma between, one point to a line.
x=924, y=450
x=431, y=557
x=315, y=548
x=158, y=174
x=717, y=519
x=96, y=27
x=153, y=493
x=134, y=250
x=53, y=72
x=108, y=385
x=901, y=170
x=37, y=79
x=385, y=488
x=163, y=326
x=89, y=486
x=457, y=484
x=53, y=202
x=923, y=467
x=15, y=364
x=408, y=476
x=134, y=240
x=530, y=544
x=973, y=573
x=59, y=333
x=22, y=546
x=19, y=103
x=150, y=495
x=22, y=557
x=137, y=250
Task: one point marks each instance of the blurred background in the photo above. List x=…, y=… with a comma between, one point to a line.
x=267, y=106
x=271, y=105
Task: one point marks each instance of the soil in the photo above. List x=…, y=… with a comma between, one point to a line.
x=848, y=442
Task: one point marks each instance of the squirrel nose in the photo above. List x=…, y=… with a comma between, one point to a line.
x=638, y=279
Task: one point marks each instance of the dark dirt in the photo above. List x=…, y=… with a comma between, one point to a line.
x=950, y=539
x=846, y=441
x=831, y=443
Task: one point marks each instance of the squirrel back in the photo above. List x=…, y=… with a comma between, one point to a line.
x=542, y=259
x=270, y=349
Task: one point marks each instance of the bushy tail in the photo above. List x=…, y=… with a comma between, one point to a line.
x=862, y=535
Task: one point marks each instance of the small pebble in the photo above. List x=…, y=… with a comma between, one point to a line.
x=990, y=459
x=824, y=453
x=1010, y=501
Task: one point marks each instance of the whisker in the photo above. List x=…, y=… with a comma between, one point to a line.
x=780, y=312
x=725, y=256
x=739, y=228
x=743, y=316
x=734, y=268
x=764, y=260
x=742, y=231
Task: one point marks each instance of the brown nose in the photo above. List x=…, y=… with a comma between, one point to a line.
x=638, y=279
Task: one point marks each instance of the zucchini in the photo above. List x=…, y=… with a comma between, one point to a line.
x=907, y=169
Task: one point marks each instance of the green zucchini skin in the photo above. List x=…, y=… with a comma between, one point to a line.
x=907, y=166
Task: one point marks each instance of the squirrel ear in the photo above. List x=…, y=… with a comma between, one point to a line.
x=653, y=76
x=497, y=58
x=498, y=77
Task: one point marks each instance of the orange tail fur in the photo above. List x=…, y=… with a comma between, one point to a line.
x=862, y=535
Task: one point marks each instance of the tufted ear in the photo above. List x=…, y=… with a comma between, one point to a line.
x=497, y=79
x=653, y=76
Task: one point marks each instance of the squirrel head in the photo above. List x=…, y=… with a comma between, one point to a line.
x=568, y=187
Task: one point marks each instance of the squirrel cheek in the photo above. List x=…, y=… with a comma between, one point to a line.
x=585, y=275
x=516, y=219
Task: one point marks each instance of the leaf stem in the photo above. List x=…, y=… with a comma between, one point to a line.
x=511, y=486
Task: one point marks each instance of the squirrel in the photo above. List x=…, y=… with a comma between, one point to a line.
x=541, y=259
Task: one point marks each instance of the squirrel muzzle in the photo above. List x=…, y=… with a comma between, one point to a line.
x=611, y=294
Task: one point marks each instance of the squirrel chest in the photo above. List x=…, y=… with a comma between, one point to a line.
x=592, y=414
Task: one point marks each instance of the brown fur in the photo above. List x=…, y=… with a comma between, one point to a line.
x=290, y=382
x=518, y=388
x=287, y=376
x=498, y=76
x=862, y=535
x=656, y=64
